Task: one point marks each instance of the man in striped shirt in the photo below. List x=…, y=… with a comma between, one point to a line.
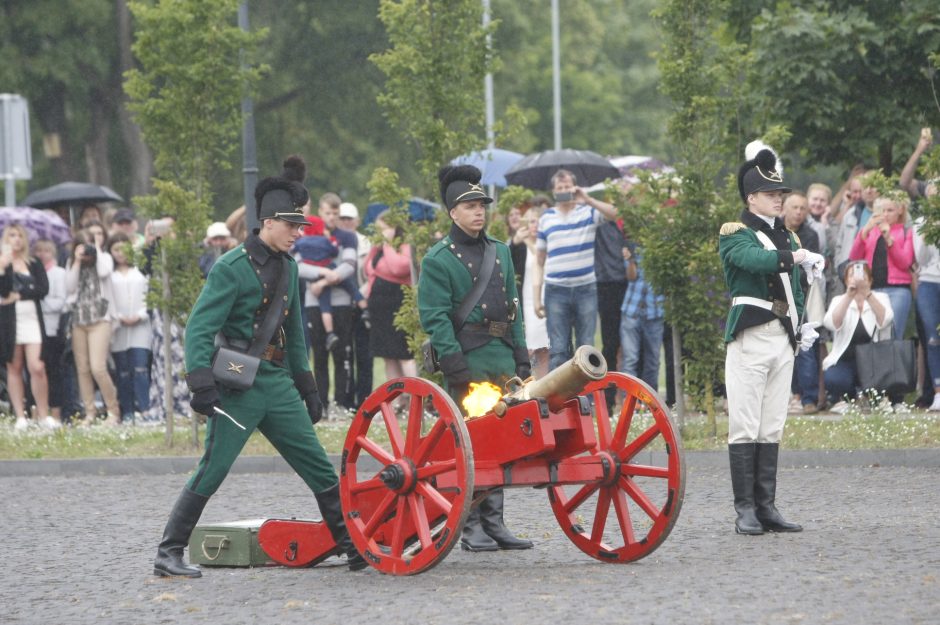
x=565, y=254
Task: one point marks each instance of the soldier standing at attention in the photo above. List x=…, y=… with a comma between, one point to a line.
x=234, y=302
x=490, y=345
x=760, y=259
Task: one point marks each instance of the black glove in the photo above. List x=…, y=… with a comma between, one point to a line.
x=205, y=394
x=204, y=400
x=523, y=367
x=306, y=385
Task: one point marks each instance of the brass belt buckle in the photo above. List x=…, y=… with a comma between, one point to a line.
x=780, y=308
x=498, y=328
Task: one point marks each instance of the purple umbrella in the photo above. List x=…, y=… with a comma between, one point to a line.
x=39, y=224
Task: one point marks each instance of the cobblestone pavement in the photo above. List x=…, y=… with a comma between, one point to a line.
x=79, y=550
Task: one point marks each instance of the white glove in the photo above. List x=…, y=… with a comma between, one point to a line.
x=813, y=265
x=808, y=336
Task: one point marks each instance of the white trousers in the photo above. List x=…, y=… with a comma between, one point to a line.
x=758, y=372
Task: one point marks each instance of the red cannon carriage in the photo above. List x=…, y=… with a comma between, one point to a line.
x=615, y=482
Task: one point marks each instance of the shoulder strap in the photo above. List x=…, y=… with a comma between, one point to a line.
x=274, y=314
x=470, y=301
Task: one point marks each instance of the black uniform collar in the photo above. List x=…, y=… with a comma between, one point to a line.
x=459, y=237
x=754, y=222
x=258, y=249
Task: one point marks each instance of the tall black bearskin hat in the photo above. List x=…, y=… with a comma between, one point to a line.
x=461, y=183
x=294, y=168
x=761, y=172
x=279, y=198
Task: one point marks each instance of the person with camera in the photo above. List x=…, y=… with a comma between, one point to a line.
x=761, y=261
x=475, y=331
x=88, y=288
x=23, y=284
x=258, y=378
x=857, y=317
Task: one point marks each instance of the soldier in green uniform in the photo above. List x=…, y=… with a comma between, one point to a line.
x=761, y=261
x=490, y=346
x=233, y=304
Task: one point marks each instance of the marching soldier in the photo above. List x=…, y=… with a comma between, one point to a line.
x=760, y=259
x=489, y=342
x=234, y=304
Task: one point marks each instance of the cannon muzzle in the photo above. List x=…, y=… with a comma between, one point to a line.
x=561, y=384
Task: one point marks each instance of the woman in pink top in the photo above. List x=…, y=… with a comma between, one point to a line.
x=887, y=245
x=389, y=268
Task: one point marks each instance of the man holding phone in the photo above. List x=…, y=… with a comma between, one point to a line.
x=565, y=253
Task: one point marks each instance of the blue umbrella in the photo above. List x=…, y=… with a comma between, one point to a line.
x=493, y=163
x=418, y=210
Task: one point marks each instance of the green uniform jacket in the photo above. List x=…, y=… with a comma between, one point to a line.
x=442, y=286
x=749, y=268
x=228, y=303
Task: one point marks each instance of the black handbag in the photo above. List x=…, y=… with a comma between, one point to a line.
x=428, y=353
x=887, y=366
x=236, y=369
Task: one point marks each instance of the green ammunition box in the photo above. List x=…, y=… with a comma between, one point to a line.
x=228, y=544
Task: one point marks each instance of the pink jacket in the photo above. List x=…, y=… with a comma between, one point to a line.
x=900, y=255
x=394, y=265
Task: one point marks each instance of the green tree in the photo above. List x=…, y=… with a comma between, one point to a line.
x=186, y=96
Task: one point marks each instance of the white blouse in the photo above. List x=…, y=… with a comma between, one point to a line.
x=130, y=299
x=842, y=336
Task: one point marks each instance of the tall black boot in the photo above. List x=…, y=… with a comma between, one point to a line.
x=474, y=538
x=491, y=518
x=765, y=490
x=183, y=518
x=332, y=511
x=741, y=456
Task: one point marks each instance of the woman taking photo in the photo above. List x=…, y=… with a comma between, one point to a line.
x=130, y=342
x=388, y=268
x=855, y=318
x=23, y=284
x=887, y=245
x=88, y=284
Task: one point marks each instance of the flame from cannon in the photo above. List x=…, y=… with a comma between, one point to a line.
x=481, y=399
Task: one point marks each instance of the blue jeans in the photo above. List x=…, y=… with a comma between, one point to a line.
x=928, y=305
x=568, y=307
x=133, y=383
x=806, y=375
x=900, y=297
x=841, y=379
x=641, y=337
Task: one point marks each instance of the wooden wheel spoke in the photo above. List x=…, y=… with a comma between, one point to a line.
x=391, y=426
x=436, y=468
x=579, y=497
x=644, y=470
x=374, y=450
x=378, y=517
x=623, y=424
x=428, y=443
x=429, y=492
x=420, y=515
x=637, y=494
x=365, y=486
x=603, y=419
x=637, y=445
x=600, y=518
x=415, y=415
x=623, y=516
x=399, y=528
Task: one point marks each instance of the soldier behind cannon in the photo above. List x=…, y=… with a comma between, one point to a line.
x=490, y=344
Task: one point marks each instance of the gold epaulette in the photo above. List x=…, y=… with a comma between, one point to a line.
x=731, y=227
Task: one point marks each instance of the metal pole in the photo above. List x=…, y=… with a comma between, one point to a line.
x=8, y=176
x=488, y=92
x=556, y=73
x=249, y=148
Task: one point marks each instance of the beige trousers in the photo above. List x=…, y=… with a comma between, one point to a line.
x=758, y=372
x=91, y=346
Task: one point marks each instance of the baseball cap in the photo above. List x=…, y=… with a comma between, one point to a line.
x=217, y=229
x=123, y=215
x=348, y=210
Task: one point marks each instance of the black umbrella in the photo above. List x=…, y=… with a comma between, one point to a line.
x=535, y=171
x=71, y=193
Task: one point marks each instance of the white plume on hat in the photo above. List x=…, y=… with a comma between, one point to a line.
x=752, y=148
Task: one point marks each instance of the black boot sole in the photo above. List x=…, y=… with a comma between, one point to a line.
x=757, y=532
x=467, y=547
x=162, y=573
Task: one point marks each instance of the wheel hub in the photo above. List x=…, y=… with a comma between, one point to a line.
x=400, y=476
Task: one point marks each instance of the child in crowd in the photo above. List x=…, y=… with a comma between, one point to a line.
x=315, y=248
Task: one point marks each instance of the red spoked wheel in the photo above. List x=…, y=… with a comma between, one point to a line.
x=630, y=512
x=407, y=510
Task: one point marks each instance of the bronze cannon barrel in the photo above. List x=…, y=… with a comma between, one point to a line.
x=562, y=383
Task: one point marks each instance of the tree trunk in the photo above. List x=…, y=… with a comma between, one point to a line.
x=167, y=355
x=886, y=158
x=50, y=111
x=677, y=373
x=141, y=160
x=97, y=159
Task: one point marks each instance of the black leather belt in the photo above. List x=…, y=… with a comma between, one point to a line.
x=498, y=329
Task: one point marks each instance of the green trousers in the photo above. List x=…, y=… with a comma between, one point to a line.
x=274, y=407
